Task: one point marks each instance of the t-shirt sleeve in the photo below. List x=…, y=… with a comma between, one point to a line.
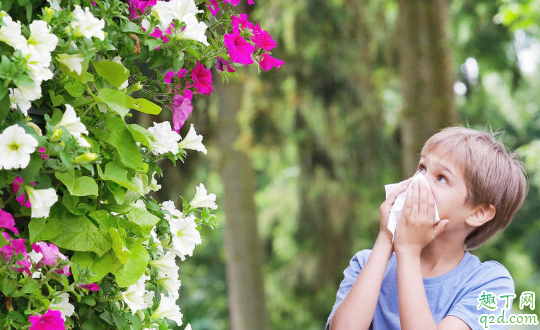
x=477, y=295
x=350, y=275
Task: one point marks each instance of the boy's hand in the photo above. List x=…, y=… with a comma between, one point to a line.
x=386, y=207
x=415, y=228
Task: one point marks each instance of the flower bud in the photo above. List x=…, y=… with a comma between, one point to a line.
x=135, y=87
x=86, y=157
x=35, y=127
x=57, y=134
x=48, y=14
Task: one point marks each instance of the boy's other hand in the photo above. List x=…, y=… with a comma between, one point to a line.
x=415, y=227
x=386, y=207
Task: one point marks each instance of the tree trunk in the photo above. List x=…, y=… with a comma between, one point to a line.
x=247, y=306
x=426, y=75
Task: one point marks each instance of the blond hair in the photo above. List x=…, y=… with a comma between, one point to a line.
x=493, y=175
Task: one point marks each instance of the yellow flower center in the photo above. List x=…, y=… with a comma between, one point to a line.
x=179, y=233
x=14, y=146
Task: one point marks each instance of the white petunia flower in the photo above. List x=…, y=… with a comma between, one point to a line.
x=63, y=306
x=181, y=10
x=10, y=32
x=194, y=30
x=86, y=24
x=169, y=206
x=185, y=235
x=193, y=141
x=203, y=199
x=167, y=308
x=73, y=124
x=162, y=11
x=15, y=147
x=171, y=284
x=73, y=61
x=166, y=265
x=136, y=296
x=41, y=201
x=41, y=37
x=17, y=100
x=188, y=327
x=37, y=63
x=31, y=93
x=166, y=140
x=55, y=4
x=35, y=257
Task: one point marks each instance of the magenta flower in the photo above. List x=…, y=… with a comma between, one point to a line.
x=202, y=79
x=15, y=185
x=240, y=50
x=267, y=62
x=7, y=221
x=6, y=252
x=170, y=75
x=262, y=39
x=223, y=65
x=136, y=5
x=52, y=320
x=43, y=153
x=181, y=108
x=89, y=286
x=213, y=6
x=237, y=21
x=24, y=264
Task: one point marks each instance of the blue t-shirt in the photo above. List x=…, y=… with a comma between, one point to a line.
x=455, y=293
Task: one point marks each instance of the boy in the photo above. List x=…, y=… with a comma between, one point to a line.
x=425, y=279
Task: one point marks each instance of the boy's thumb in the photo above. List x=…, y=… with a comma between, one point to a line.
x=439, y=227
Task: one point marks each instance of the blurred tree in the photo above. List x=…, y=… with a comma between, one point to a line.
x=426, y=75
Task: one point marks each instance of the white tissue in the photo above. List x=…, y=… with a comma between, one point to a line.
x=395, y=212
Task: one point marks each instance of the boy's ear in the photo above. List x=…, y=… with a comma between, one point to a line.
x=480, y=215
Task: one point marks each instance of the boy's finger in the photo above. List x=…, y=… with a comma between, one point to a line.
x=424, y=203
x=416, y=198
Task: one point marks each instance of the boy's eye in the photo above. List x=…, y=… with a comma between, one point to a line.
x=421, y=169
x=440, y=177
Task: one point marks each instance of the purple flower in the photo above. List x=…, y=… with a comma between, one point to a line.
x=240, y=50
x=221, y=64
x=213, y=6
x=16, y=185
x=237, y=21
x=89, y=286
x=262, y=39
x=136, y=5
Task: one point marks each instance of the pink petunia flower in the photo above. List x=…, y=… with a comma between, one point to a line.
x=89, y=286
x=181, y=108
x=240, y=50
x=262, y=39
x=7, y=221
x=43, y=153
x=213, y=6
x=170, y=75
x=24, y=264
x=267, y=62
x=202, y=79
x=240, y=21
x=15, y=185
x=52, y=320
x=136, y=5
x=223, y=65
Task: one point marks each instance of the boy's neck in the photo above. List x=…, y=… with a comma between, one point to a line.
x=440, y=257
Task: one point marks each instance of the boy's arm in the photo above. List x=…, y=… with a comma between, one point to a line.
x=357, y=309
x=415, y=231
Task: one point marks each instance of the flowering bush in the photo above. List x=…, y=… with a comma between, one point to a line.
x=83, y=244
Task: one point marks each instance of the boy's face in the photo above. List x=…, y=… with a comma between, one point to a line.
x=449, y=189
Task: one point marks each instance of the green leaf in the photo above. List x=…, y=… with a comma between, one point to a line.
x=130, y=27
x=82, y=186
x=119, y=248
x=8, y=286
x=141, y=134
x=104, y=219
x=31, y=172
x=44, y=229
x=143, y=105
x=32, y=286
x=134, y=268
x=118, y=174
x=143, y=219
x=4, y=107
x=119, y=136
x=193, y=52
x=101, y=266
x=74, y=88
x=3, y=241
x=56, y=99
x=80, y=234
x=116, y=100
x=113, y=72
